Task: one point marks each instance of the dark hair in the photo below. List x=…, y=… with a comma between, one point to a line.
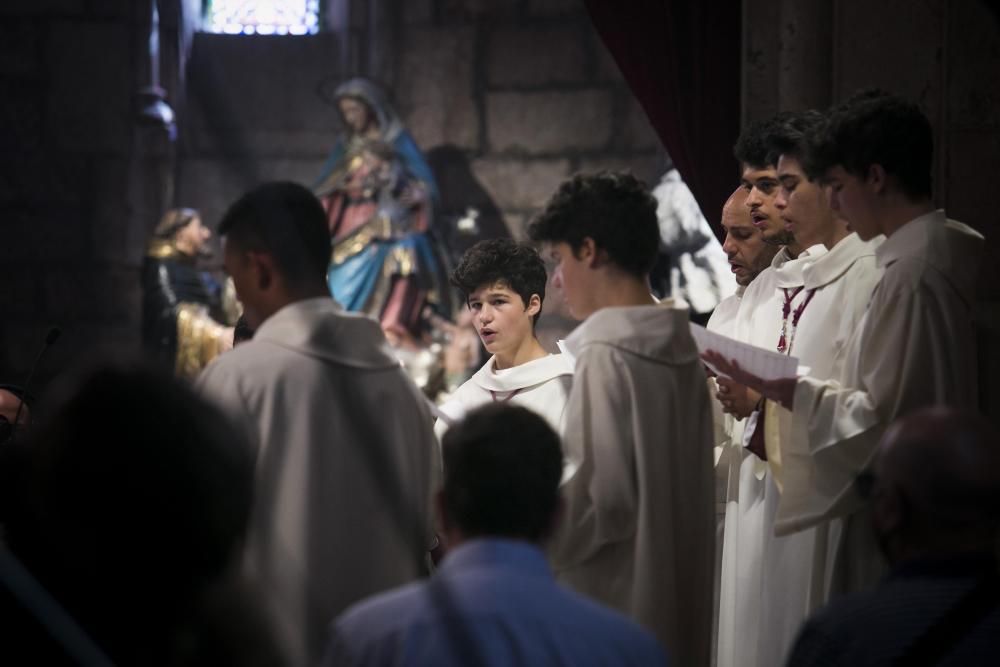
x=288, y=222
x=502, y=466
x=751, y=147
x=875, y=127
x=133, y=497
x=791, y=134
x=515, y=265
x=242, y=332
x=614, y=209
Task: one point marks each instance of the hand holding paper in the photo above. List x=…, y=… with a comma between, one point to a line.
x=770, y=373
x=781, y=390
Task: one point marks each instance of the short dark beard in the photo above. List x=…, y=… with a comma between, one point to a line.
x=781, y=239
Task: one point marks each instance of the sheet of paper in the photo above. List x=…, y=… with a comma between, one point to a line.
x=765, y=364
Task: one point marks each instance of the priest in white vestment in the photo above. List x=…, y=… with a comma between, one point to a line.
x=748, y=255
x=637, y=533
x=346, y=456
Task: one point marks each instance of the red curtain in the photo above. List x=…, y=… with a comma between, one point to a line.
x=681, y=58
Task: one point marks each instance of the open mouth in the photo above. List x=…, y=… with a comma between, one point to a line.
x=736, y=268
x=487, y=335
x=758, y=219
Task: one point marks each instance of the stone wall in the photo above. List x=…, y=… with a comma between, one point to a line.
x=518, y=97
x=69, y=70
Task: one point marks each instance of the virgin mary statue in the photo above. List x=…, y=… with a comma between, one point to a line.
x=379, y=194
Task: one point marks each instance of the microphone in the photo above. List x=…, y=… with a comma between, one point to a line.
x=50, y=337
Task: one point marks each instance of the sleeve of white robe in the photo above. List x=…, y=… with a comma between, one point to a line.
x=913, y=351
x=600, y=496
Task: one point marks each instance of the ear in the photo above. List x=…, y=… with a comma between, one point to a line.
x=262, y=268
x=876, y=178
x=587, y=252
x=534, y=305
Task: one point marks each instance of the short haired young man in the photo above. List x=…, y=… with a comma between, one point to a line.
x=346, y=455
x=639, y=502
x=493, y=601
x=503, y=283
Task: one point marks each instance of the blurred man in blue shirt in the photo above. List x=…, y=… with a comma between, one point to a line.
x=493, y=601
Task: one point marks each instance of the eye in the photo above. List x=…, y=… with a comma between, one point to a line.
x=475, y=305
x=498, y=302
x=767, y=187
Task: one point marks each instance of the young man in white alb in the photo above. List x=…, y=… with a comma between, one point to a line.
x=503, y=283
x=638, y=530
x=757, y=318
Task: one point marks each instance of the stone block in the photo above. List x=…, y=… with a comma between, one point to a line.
x=19, y=55
x=973, y=63
x=434, y=89
x=549, y=122
x=86, y=343
x=607, y=68
x=211, y=185
x=43, y=8
x=548, y=8
x=520, y=184
x=92, y=293
x=44, y=233
x=19, y=288
x=261, y=94
x=464, y=10
x=50, y=178
x=761, y=60
x=418, y=11
x=522, y=56
x=973, y=161
x=90, y=86
x=517, y=225
x=70, y=293
x=895, y=45
x=21, y=115
x=125, y=9
x=637, y=133
x=110, y=233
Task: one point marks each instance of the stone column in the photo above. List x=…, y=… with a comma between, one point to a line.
x=805, y=58
x=787, y=56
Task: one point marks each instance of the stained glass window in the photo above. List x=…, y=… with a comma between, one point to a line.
x=263, y=17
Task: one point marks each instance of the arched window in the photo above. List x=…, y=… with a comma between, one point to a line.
x=262, y=17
